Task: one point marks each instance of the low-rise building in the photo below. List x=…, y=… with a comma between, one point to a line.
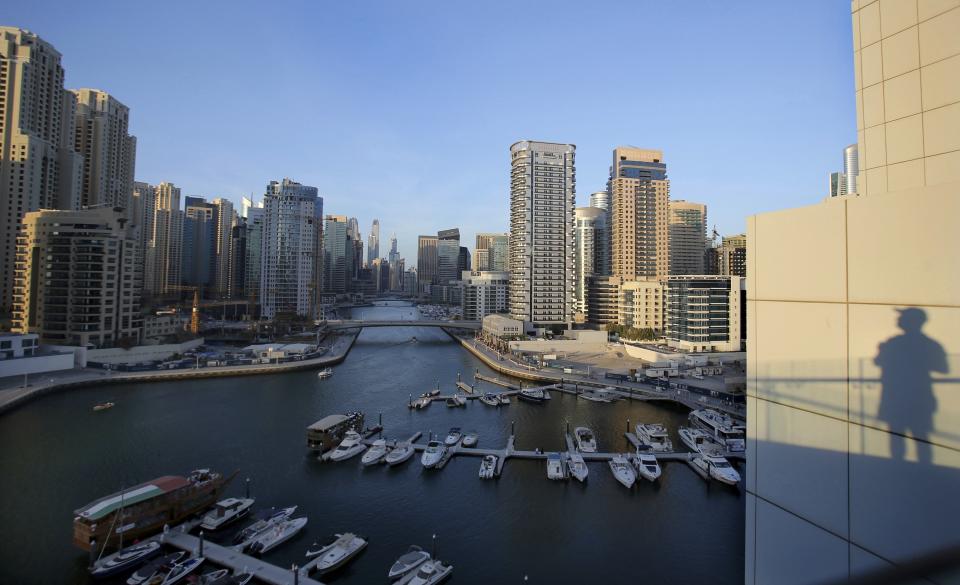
x=21, y=354
x=501, y=327
x=705, y=313
x=161, y=326
x=641, y=304
x=484, y=293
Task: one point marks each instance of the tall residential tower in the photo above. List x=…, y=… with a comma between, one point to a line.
x=640, y=195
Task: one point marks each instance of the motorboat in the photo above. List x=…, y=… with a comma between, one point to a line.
x=470, y=439
x=646, y=465
x=103, y=406
x=428, y=573
x=325, y=373
x=125, y=559
x=237, y=579
x=599, y=395
x=654, y=436
x=277, y=535
x=421, y=403
x=586, y=442
x=622, y=470
x=698, y=440
x=716, y=467
x=264, y=520
x=456, y=400
x=159, y=565
x=490, y=399
x=352, y=444
x=504, y=399
x=226, y=511
x=453, y=437
x=338, y=553
x=211, y=577
x=577, y=466
x=431, y=393
x=532, y=395
x=555, y=467
x=181, y=570
x=375, y=453
x=724, y=430
x=408, y=562
x=400, y=453
x=488, y=467
x=433, y=454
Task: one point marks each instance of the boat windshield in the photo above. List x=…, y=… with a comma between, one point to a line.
x=720, y=464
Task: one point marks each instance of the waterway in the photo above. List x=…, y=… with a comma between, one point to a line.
x=56, y=454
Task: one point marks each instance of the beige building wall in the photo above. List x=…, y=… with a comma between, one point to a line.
x=101, y=135
x=642, y=304
x=640, y=240
x=688, y=237
x=163, y=255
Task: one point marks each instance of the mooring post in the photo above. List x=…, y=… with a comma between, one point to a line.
x=628, y=425
x=200, y=552
x=512, y=427
x=296, y=574
x=434, y=547
x=247, y=490
x=410, y=401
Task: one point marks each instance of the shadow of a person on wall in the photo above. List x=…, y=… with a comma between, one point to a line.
x=907, y=402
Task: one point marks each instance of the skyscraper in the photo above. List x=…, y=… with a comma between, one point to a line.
x=198, y=262
x=373, y=242
x=224, y=218
x=491, y=252
x=732, y=256
x=292, y=232
x=542, y=200
x=590, y=237
x=640, y=195
x=253, y=262
x=108, y=149
x=394, y=254
x=448, y=255
x=356, y=239
x=845, y=182
x=600, y=200
x=143, y=208
x=337, y=250
x=426, y=263
x=163, y=255
x=688, y=237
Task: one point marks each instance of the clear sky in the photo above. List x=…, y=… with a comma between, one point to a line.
x=405, y=111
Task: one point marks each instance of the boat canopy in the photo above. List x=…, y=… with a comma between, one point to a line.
x=141, y=493
x=328, y=422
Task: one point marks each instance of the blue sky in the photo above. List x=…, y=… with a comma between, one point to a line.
x=405, y=111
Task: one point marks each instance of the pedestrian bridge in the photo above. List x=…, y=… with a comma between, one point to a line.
x=336, y=325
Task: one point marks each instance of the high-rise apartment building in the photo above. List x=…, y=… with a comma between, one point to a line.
x=38, y=166
x=639, y=202
x=292, y=241
x=845, y=182
x=253, y=259
x=337, y=252
x=198, y=262
x=426, y=263
x=600, y=200
x=491, y=252
x=162, y=261
x=542, y=200
x=224, y=218
x=101, y=125
x=732, y=256
x=688, y=237
x=448, y=255
x=143, y=205
x=590, y=258
x=854, y=335
x=373, y=242
x=237, y=267
x=78, y=278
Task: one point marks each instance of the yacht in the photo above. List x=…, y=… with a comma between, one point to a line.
x=456, y=400
x=409, y=561
x=504, y=399
x=400, y=453
x=433, y=454
x=375, y=453
x=428, y=573
x=421, y=403
x=351, y=445
x=555, y=467
x=654, y=436
x=211, y=577
x=226, y=511
x=577, y=466
x=599, y=395
x=647, y=465
x=718, y=468
x=586, y=442
x=431, y=393
x=125, y=559
x=154, y=567
x=622, y=470
x=470, y=439
x=724, y=429
x=265, y=519
x=181, y=570
x=697, y=440
x=490, y=399
x=277, y=535
x=453, y=437
x=237, y=579
x=488, y=467
x=325, y=373
x=532, y=395
x=338, y=553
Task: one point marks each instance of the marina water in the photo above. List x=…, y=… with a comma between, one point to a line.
x=56, y=454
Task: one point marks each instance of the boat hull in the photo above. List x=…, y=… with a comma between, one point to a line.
x=400, y=457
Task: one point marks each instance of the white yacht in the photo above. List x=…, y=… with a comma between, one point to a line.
x=470, y=439
x=586, y=442
x=428, y=573
x=490, y=399
x=622, y=470
x=158, y=566
x=433, y=454
x=724, y=429
x=325, y=373
x=352, y=444
x=698, y=440
x=647, y=465
x=532, y=395
x=337, y=553
x=265, y=520
x=654, y=436
x=712, y=466
x=181, y=570
x=277, y=535
x=409, y=561
x=555, y=467
x=577, y=466
x=598, y=395
x=488, y=467
x=400, y=453
x=453, y=437
x=226, y=511
x=375, y=453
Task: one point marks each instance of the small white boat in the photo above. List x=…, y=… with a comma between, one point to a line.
x=488, y=467
x=470, y=439
x=490, y=399
x=337, y=553
x=124, y=559
x=226, y=511
x=400, y=453
x=181, y=570
x=532, y=395
x=375, y=453
x=352, y=444
x=577, y=466
x=421, y=403
x=453, y=437
x=277, y=535
x=265, y=519
x=654, y=436
x=431, y=393
x=555, y=467
x=712, y=466
x=698, y=441
x=325, y=373
x=103, y=406
x=409, y=561
x=647, y=465
x=585, y=440
x=598, y=395
x=724, y=429
x=433, y=454
x=622, y=470
x=504, y=399
x=456, y=400
x=428, y=573
x=155, y=567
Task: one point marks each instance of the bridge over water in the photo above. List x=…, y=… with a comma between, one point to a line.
x=336, y=325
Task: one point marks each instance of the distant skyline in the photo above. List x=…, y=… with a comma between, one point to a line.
x=406, y=112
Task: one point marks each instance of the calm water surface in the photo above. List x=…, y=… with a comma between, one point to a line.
x=56, y=455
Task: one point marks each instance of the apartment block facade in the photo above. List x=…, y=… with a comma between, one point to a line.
x=639, y=203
